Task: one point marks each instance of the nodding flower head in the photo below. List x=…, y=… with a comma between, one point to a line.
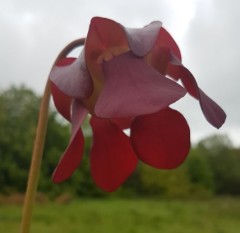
x=126, y=78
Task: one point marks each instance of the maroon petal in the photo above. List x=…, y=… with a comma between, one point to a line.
x=103, y=35
x=173, y=72
x=133, y=88
x=112, y=157
x=61, y=101
x=142, y=40
x=162, y=139
x=211, y=110
x=73, y=154
x=73, y=80
x=122, y=123
x=165, y=39
x=161, y=54
x=159, y=59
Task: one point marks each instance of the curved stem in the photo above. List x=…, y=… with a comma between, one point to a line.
x=39, y=145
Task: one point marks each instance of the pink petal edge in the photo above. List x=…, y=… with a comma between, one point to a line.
x=73, y=80
x=142, y=40
x=133, y=88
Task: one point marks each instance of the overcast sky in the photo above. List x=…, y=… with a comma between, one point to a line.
x=32, y=32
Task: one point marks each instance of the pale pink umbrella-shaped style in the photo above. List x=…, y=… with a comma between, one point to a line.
x=126, y=78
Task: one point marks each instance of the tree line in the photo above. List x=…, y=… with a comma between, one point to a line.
x=212, y=167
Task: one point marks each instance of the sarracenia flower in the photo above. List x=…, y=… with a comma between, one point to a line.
x=126, y=78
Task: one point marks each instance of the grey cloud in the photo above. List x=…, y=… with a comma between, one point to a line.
x=212, y=51
x=33, y=32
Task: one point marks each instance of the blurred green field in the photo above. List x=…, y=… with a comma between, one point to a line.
x=129, y=216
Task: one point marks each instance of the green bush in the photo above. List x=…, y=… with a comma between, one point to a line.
x=212, y=167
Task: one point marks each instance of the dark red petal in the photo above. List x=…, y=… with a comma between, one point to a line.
x=165, y=39
x=162, y=139
x=211, y=110
x=62, y=102
x=173, y=72
x=159, y=59
x=174, y=65
x=103, y=34
x=168, y=45
x=133, y=88
x=122, y=123
x=112, y=157
x=66, y=61
x=73, y=154
x=142, y=40
x=74, y=79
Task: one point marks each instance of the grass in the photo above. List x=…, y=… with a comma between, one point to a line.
x=129, y=216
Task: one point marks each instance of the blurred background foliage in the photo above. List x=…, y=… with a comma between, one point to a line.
x=211, y=169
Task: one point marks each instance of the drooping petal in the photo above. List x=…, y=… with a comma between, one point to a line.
x=73, y=154
x=162, y=139
x=142, y=40
x=73, y=80
x=133, y=88
x=112, y=157
x=211, y=110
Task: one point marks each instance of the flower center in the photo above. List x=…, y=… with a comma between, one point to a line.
x=105, y=56
x=109, y=53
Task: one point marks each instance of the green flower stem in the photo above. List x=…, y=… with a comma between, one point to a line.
x=39, y=146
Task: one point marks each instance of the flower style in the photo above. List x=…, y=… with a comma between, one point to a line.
x=126, y=79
